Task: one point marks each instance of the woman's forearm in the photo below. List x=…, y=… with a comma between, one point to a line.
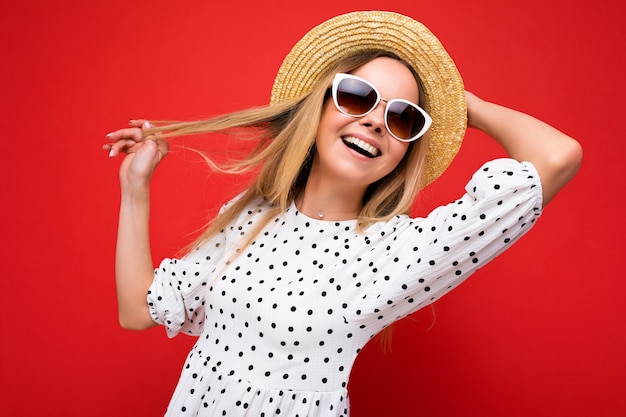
x=133, y=260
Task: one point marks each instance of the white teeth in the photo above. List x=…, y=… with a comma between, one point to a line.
x=363, y=145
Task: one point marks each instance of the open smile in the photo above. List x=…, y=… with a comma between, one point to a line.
x=360, y=146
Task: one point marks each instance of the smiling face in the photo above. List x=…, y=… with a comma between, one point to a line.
x=359, y=151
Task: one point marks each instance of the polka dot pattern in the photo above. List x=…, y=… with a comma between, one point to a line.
x=280, y=327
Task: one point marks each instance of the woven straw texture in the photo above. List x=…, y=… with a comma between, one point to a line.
x=443, y=90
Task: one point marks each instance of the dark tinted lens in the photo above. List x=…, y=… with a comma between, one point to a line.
x=355, y=97
x=404, y=120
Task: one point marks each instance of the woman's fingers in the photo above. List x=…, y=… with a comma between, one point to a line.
x=133, y=133
x=139, y=123
x=124, y=140
x=119, y=146
x=162, y=146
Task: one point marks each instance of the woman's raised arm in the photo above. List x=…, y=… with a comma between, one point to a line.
x=133, y=259
x=555, y=155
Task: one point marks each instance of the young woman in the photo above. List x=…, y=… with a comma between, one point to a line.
x=319, y=254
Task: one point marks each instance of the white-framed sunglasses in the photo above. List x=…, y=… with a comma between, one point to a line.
x=356, y=97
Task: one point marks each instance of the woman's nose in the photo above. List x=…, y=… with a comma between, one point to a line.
x=376, y=118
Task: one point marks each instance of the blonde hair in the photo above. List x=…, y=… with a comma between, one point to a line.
x=285, y=145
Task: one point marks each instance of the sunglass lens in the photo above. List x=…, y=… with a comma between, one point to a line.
x=404, y=120
x=355, y=97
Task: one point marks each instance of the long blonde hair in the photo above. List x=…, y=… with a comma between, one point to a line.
x=285, y=146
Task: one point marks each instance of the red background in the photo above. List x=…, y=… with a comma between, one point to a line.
x=538, y=332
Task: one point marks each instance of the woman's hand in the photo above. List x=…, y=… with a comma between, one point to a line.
x=473, y=109
x=144, y=153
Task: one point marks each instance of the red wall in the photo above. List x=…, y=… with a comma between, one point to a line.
x=539, y=332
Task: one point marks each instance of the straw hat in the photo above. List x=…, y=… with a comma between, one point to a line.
x=443, y=94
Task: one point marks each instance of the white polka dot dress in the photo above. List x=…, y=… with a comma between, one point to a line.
x=280, y=327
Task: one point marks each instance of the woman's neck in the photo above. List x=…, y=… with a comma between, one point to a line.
x=327, y=202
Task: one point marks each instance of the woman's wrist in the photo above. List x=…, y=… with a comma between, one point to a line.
x=136, y=193
x=477, y=110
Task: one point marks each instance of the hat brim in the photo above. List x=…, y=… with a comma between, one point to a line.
x=443, y=95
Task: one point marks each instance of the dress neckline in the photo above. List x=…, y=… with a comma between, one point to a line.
x=300, y=215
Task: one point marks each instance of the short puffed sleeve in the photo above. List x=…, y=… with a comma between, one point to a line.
x=176, y=298
x=430, y=256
